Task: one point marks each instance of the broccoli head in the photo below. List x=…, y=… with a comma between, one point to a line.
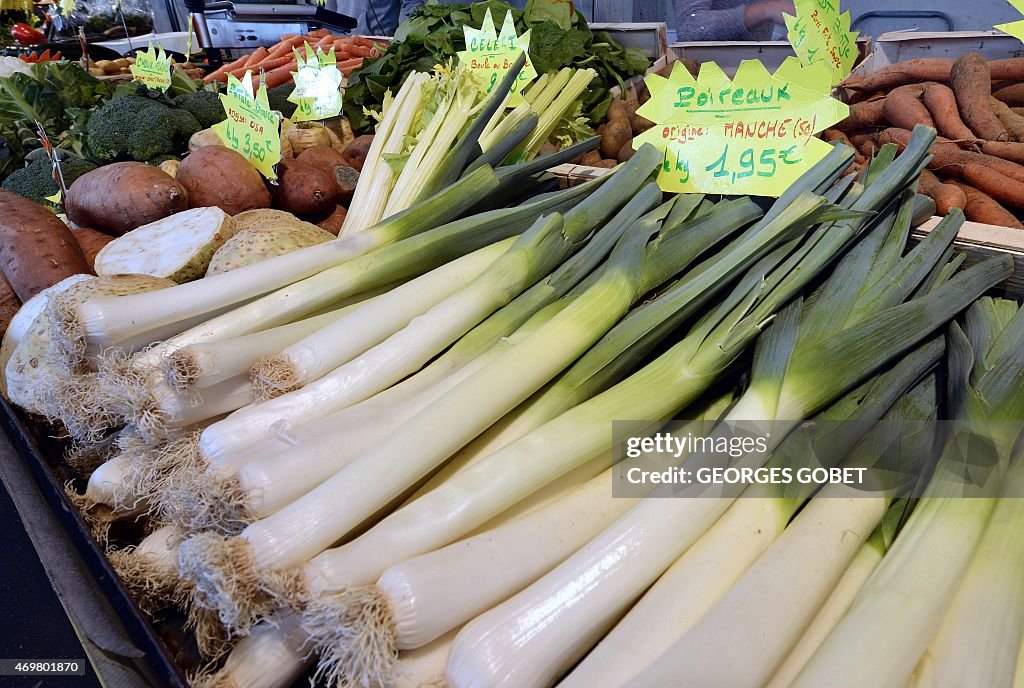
x=277, y=98
x=35, y=181
x=136, y=128
x=205, y=106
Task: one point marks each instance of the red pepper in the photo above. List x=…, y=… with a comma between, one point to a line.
x=24, y=34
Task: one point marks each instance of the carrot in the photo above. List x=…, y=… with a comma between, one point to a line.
x=274, y=63
x=1012, y=95
x=37, y=250
x=981, y=207
x=360, y=51
x=220, y=74
x=1011, y=121
x=866, y=114
x=281, y=75
x=941, y=103
x=258, y=54
x=972, y=84
x=903, y=107
x=946, y=196
x=349, y=66
x=902, y=73
x=319, y=33
x=325, y=42
x=285, y=46
x=361, y=40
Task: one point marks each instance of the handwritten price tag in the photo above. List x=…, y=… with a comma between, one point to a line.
x=251, y=128
x=750, y=135
x=67, y=7
x=152, y=68
x=490, y=55
x=819, y=33
x=1015, y=29
x=317, y=86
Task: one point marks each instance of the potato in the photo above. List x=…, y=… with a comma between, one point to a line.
x=216, y=176
x=120, y=197
x=355, y=152
x=170, y=167
x=614, y=133
x=617, y=109
x=303, y=189
x=607, y=164
x=626, y=152
x=591, y=158
x=639, y=125
x=37, y=249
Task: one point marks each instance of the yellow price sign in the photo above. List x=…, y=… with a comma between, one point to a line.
x=1015, y=29
x=317, y=85
x=152, y=68
x=489, y=55
x=67, y=7
x=819, y=33
x=753, y=134
x=251, y=127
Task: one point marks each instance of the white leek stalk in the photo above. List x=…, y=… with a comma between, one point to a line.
x=833, y=609
x=404, y=352
x=316, y=355
x=979, y=639
x=420, y=599
x=731, y=645
x=357, y=491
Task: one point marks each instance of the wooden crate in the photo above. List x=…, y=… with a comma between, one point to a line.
x=980, y=241
x=900, y=46
x=729, y=54
x=650, y=37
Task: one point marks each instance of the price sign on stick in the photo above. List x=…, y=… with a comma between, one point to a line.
x=317, y=85
x=819, y=33
x=251, y=128
x=754, y=134
x=152, y=68
x=1015, y=29
x=490, y=55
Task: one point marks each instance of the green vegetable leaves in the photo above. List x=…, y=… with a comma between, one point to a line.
x=433, y=35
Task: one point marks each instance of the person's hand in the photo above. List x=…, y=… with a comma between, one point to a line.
x=767, y=10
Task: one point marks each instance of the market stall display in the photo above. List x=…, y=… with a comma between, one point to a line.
x=341, y=405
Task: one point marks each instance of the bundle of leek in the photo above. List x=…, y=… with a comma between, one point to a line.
x=914, y=585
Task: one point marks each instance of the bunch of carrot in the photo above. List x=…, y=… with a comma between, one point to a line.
x=978, y=159
x=278, y=61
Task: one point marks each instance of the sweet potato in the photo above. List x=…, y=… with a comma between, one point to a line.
x=901, y=73
x=836, y=135
x=1000, y=187
x=1012, y=95
x=946, y=196
x=867, y=114
x=347, y=179
x=218, y=176
x=9, y=304
x=941, y=103
x=333, y=222
x=37, y=249
x=92, y=242
x=120, y=197
x=950, y=160
x=303, y=189
x=983, y=208
x=1013, y=122
x=903, y=107
x=355, y=152
x=972, y=84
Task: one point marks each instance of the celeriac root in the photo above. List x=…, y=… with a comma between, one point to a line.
x=273, y=376
x=354, y=632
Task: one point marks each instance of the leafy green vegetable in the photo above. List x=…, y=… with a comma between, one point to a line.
x=57, y=94
x=433, y=34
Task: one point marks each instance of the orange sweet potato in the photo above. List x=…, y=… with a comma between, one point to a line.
x=971, y=82
x=120, y=197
